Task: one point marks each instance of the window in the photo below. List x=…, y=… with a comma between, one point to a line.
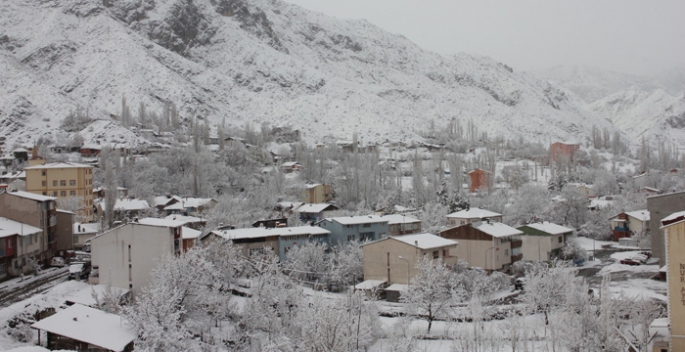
x=72, y=193
x=436, y=254
x=54, y=194
x=43, y=183
x=463, y=222
x=559, y=239
x=506, y=252
x=9, y=244
x=388, y=258
x=45, y=193
x=366, y=225
x=351, y=238
x=63, y=193
x=72, y=182
x=54, y=183
x=63, y=183
x=445, y=253
x=255, y=251
x=42, y=173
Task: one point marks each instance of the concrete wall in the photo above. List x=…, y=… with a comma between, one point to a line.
x=675, y=242
x=382, y=257
x=149, y=245
x=660, y=207
x=479, y=253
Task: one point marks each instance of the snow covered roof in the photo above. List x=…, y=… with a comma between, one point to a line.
x=89, y=325
x=258, y=232
x=128, y=205
x=357, y=220
x=86, y=228
x=85, y=295
x=664, y=269
x=60, y=165
x=497, y=229
x=550, y=228
x=642, y=215
x=164, y=200
x=65, y=211
x=314, y=207
x=17, y=174
x=394, y=219
x=369, y=284
x=190, y=234
x=312, y=185
x=185, y=219
x=673, y=216
x=10, y=228
x=184, y=203
x=160, y=222
x=290, y=163
x=425, y=240
x=474, y=213
x=27, y=195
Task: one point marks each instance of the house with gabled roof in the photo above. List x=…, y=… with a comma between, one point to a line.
x=487, y=245
x=392, y=260
x=314, y=212
x=628, y=223
x=470, y=215
x=190, y=206
x=543, y=240
x=399, y=224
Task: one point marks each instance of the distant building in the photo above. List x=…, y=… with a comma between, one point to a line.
x=63, y=180
x=487, y=245
x=314, y=212
x=399, y=225
x=543, y=241
x=317, y=193
x=355, y=228
x=291, y=166
x=255, y=241
x=191, y=206
x=480, y=179
x=563, y=149
x=124, y=209
x=470, y=215
x=20, y=247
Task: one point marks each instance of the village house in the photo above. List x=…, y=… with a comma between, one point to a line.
x=629, y=223
x=192, y=222
x=399, y=225
x=393, y=260
x=470, y=215
x=20, y=247
x=587, y=190
x=355, y=228
x=314, y=212
x=124, y=209
x=125, y=256
x=480, y=180
x=63, y=180
x=291, y=166
x=487, y=245
x=280, y=240
x=83, y=232
x=543, y=241
x=564, y=150
x=82, y=328
x=287, y=208
x=191, y=206
x=10, y=177
x=37, y=211
x=271, y=223
x=87, y=150
x=162, y=202
x=317, y=193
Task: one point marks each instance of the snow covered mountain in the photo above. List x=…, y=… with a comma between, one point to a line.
x=654, y=115
x=257, y=61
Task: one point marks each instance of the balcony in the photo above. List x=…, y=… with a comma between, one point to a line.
x=516, y=244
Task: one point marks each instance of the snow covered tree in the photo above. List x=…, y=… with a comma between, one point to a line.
x=430, y=292
x=308, y=262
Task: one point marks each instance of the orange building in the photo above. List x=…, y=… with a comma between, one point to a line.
x=559, y=149
x=480, y=179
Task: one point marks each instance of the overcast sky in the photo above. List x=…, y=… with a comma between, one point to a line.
x=631, y=36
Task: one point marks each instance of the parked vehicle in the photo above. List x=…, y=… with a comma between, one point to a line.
x=58, y=262
x=647, y=254
x=630, y=261
x=79, y=270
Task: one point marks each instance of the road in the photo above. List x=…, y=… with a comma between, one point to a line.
x=604, y=255
x=15, y=290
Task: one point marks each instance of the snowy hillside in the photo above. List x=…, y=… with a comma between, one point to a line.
x=257, y=61
x=656, y=115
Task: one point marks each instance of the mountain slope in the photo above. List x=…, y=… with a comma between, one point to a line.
x=257, y=61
